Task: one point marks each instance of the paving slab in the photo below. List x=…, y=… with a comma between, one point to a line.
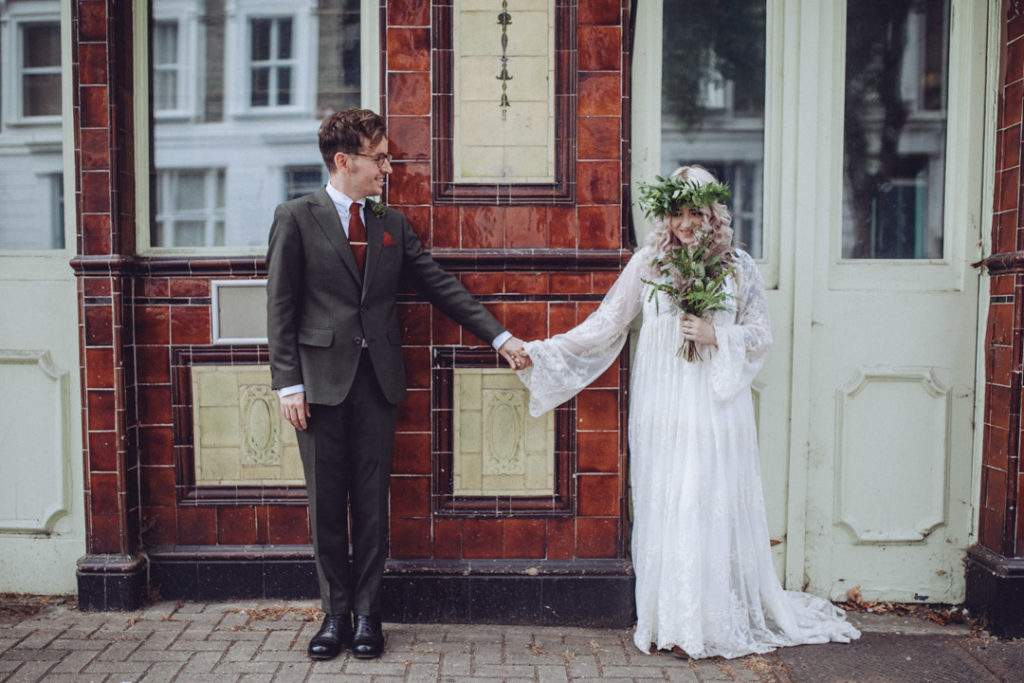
x=256, y=641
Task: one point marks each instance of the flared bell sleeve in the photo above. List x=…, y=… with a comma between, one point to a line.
x=744, y=341
x=566, y=363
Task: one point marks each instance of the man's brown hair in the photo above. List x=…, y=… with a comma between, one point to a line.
x=347, y=131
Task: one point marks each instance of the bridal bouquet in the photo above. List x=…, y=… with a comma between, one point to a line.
x=694, y=275
x=694, y=281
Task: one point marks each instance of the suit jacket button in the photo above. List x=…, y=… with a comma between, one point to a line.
x=358, y=341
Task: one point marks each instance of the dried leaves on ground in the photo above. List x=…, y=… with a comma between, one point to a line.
x=944, y=615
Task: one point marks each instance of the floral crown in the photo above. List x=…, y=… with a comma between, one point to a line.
x=668, y=196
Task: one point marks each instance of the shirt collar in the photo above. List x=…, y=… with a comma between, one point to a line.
x=340, y=199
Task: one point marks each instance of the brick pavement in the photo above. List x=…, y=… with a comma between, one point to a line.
x=266, y=641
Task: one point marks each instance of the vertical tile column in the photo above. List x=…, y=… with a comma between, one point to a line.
x=995, y=566
x=540, y=263
x=112, y=574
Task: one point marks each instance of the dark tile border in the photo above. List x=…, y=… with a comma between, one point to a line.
x=112, y=582
x=995, y=591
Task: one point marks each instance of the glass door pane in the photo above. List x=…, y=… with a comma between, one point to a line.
x=894, y=130
x=712, y=104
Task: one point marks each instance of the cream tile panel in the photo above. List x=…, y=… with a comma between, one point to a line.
x=291, y=463
x=530, y=162
x=529, y=79
x=469, y=424
x=240, y=438
x=477, y=33
x=530, y=33
x=483, y=163
x=478, y=80
x=498, y=448
x=528, y=122
x=218, y=388
x=220, y=464
x=219, y=426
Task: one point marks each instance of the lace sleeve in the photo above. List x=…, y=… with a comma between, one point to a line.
x=566, y=363
x=743, y=343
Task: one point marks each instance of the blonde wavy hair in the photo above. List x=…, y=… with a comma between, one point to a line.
x=716, y=219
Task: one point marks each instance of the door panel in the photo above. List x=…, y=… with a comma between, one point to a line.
x=42, y=512
x=894, y=313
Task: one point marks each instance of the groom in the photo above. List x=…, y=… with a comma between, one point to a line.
x=335, y=265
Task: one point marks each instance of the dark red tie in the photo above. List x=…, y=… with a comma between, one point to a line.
x=357, y=235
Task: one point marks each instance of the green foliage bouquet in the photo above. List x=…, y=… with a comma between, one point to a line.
x=693, y=279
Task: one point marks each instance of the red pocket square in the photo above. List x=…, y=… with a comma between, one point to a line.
x=387, y=239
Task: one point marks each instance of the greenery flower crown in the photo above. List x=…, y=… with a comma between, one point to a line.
x=668, y=196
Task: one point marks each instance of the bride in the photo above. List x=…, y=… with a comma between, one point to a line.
x=705, y=583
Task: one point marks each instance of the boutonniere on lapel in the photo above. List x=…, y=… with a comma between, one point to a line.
x=379, y=209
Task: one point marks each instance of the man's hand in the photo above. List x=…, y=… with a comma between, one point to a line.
x=512, y=351
x=295, y=409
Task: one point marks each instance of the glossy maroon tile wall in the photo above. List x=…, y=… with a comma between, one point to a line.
x=539, y=266
x=1001, y=514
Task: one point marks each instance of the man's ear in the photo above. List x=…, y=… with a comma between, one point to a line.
x=341, y=161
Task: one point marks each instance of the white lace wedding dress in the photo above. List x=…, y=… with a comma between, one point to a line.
x=701, y=552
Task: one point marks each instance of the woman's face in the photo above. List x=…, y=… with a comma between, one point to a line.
x=683, y=225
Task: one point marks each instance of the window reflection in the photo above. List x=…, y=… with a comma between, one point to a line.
x=238, y=89
x=31, y=188
x=895, y=128
x=713, y=85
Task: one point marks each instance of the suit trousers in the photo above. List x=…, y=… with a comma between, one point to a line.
x=346, y=452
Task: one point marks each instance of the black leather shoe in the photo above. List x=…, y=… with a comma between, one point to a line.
x=334, y=634
x=368, y=642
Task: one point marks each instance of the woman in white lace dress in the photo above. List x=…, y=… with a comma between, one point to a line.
x=705, y=583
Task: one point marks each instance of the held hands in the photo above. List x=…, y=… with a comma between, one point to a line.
x=295, y=409
x=512, y=351
x=698, y=330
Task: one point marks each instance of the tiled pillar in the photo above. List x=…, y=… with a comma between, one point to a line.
x=541, y=265
x=995, y=566
x=112, y=574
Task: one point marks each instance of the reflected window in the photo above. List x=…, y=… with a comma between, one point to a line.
x=167, y=67
x=271, y=63
x=713, y=86
x=190, y=208
x=40, y=70
x=303, y=180
x=238, y=89
x=895, y=129
x=31, y=188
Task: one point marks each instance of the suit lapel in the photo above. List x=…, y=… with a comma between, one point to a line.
x=326, y=216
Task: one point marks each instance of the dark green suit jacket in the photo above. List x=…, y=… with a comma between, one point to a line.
x=319, y=307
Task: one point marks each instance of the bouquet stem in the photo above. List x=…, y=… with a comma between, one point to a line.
x=689, y=351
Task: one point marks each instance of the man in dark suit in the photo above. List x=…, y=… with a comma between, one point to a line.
x=335, y=265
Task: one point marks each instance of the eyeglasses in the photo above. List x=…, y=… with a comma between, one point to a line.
x=379, y=159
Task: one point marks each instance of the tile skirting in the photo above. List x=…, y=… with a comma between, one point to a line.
x=592, y=593
x=995, y=591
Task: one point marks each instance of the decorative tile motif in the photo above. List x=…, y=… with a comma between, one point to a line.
x=499, y=449
x=261, y=425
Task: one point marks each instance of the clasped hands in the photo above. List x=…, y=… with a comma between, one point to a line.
x=515, y=354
